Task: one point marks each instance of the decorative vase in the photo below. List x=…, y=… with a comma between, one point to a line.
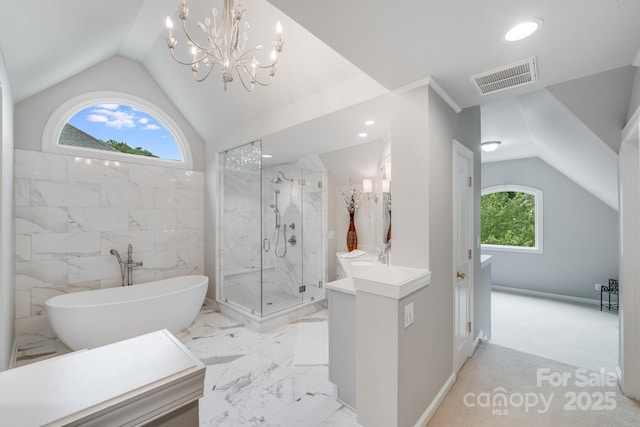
x=389, y=229
x=352, y=236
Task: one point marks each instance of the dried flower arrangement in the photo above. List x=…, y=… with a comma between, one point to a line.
x=351, y=197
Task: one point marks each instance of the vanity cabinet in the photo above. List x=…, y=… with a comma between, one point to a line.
x=342, y=339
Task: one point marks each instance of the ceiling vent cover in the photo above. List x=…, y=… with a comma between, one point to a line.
x=519, y=74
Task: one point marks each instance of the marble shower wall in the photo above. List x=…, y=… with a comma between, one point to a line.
x=70, y=211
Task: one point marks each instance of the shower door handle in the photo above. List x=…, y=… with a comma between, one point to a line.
x=266, y=245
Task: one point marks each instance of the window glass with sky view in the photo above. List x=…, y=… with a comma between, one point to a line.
x=119, y=128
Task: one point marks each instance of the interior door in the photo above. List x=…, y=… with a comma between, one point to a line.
x=462, y=255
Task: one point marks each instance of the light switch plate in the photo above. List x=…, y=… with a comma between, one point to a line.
x=408, y=315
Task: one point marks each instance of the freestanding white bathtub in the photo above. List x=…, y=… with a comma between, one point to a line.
x=94, y=318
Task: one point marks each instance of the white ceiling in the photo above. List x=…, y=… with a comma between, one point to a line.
x=338, y=56
x=398, y=43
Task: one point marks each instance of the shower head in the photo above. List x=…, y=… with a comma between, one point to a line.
x=278, y=180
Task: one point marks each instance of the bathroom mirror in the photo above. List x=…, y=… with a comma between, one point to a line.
x=350, y=143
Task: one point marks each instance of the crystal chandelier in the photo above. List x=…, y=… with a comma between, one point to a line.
x=221, y=43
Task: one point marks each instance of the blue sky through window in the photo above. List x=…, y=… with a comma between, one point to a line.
x=126, y=124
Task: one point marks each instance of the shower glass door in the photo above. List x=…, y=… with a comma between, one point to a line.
x=312, y=249
x=240, y=227
x=281, y=238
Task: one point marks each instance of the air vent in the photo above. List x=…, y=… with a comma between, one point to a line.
x=519, y=74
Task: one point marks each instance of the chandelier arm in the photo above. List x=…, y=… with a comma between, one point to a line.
x=248, y=89
x=200, y=80
x=254, y=77
x=246, y=56
x=179, y=61
x=191, y=40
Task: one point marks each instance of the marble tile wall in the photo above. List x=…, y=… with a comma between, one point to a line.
x=71, y=211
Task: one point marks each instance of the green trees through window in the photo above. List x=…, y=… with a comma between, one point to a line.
x=508, y=218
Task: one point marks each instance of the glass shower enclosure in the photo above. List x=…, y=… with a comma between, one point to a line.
x=270, y=233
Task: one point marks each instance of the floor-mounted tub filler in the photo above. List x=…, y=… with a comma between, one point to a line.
x=94, y=318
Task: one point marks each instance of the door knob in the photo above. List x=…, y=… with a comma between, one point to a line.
x=460, y=275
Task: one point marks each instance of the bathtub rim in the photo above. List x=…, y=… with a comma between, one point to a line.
x=51, y=302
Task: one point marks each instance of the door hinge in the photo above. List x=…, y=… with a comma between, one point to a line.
x=470, y=254
x=470, y=181
x=469, y=327
x=320, y=284
x=302, y=288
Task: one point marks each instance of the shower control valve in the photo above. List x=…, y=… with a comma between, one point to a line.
x=293, y=226
x=292, y=240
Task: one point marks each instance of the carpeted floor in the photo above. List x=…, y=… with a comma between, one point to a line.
x=573, y=333
x=503, y=387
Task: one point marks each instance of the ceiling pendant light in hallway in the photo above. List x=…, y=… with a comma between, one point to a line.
x=489, y=146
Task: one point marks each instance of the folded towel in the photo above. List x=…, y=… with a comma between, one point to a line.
x=353, y=254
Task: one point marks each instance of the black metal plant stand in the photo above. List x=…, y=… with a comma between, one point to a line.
x=612, y=289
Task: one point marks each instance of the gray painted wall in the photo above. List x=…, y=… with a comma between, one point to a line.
x=423, y=128
x=580, y=234
x=634, y=102
x=600, y=101
x=115, y=74
x=7, y=286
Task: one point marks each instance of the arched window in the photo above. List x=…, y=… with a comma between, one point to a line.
x=116, y=126
x=511, y=219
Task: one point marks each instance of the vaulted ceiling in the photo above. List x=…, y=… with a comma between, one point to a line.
x=337, y=56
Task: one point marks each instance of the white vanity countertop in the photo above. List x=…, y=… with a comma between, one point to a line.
x=370, y=275
x=485, y=260
x=108, y=384
x=342, y=285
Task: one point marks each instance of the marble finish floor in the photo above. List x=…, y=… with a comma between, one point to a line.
x=251, y=379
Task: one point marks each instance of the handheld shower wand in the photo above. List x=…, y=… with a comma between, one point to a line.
x=122, y=264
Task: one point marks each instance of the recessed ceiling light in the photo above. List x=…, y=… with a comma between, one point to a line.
x=522, y=30
x=267, y=156
x=362, y=134
x=370, y=122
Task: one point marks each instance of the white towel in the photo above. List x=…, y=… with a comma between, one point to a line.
x=353, y=254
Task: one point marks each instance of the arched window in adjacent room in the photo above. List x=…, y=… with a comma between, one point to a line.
x=119, y=127
x=511, y=219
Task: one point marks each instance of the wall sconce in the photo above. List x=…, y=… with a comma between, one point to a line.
x=385, y=185
x=367, y=187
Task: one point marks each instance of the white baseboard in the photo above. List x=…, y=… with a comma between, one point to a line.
x=431, y=410
x=545, y=295
x=476, y=342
